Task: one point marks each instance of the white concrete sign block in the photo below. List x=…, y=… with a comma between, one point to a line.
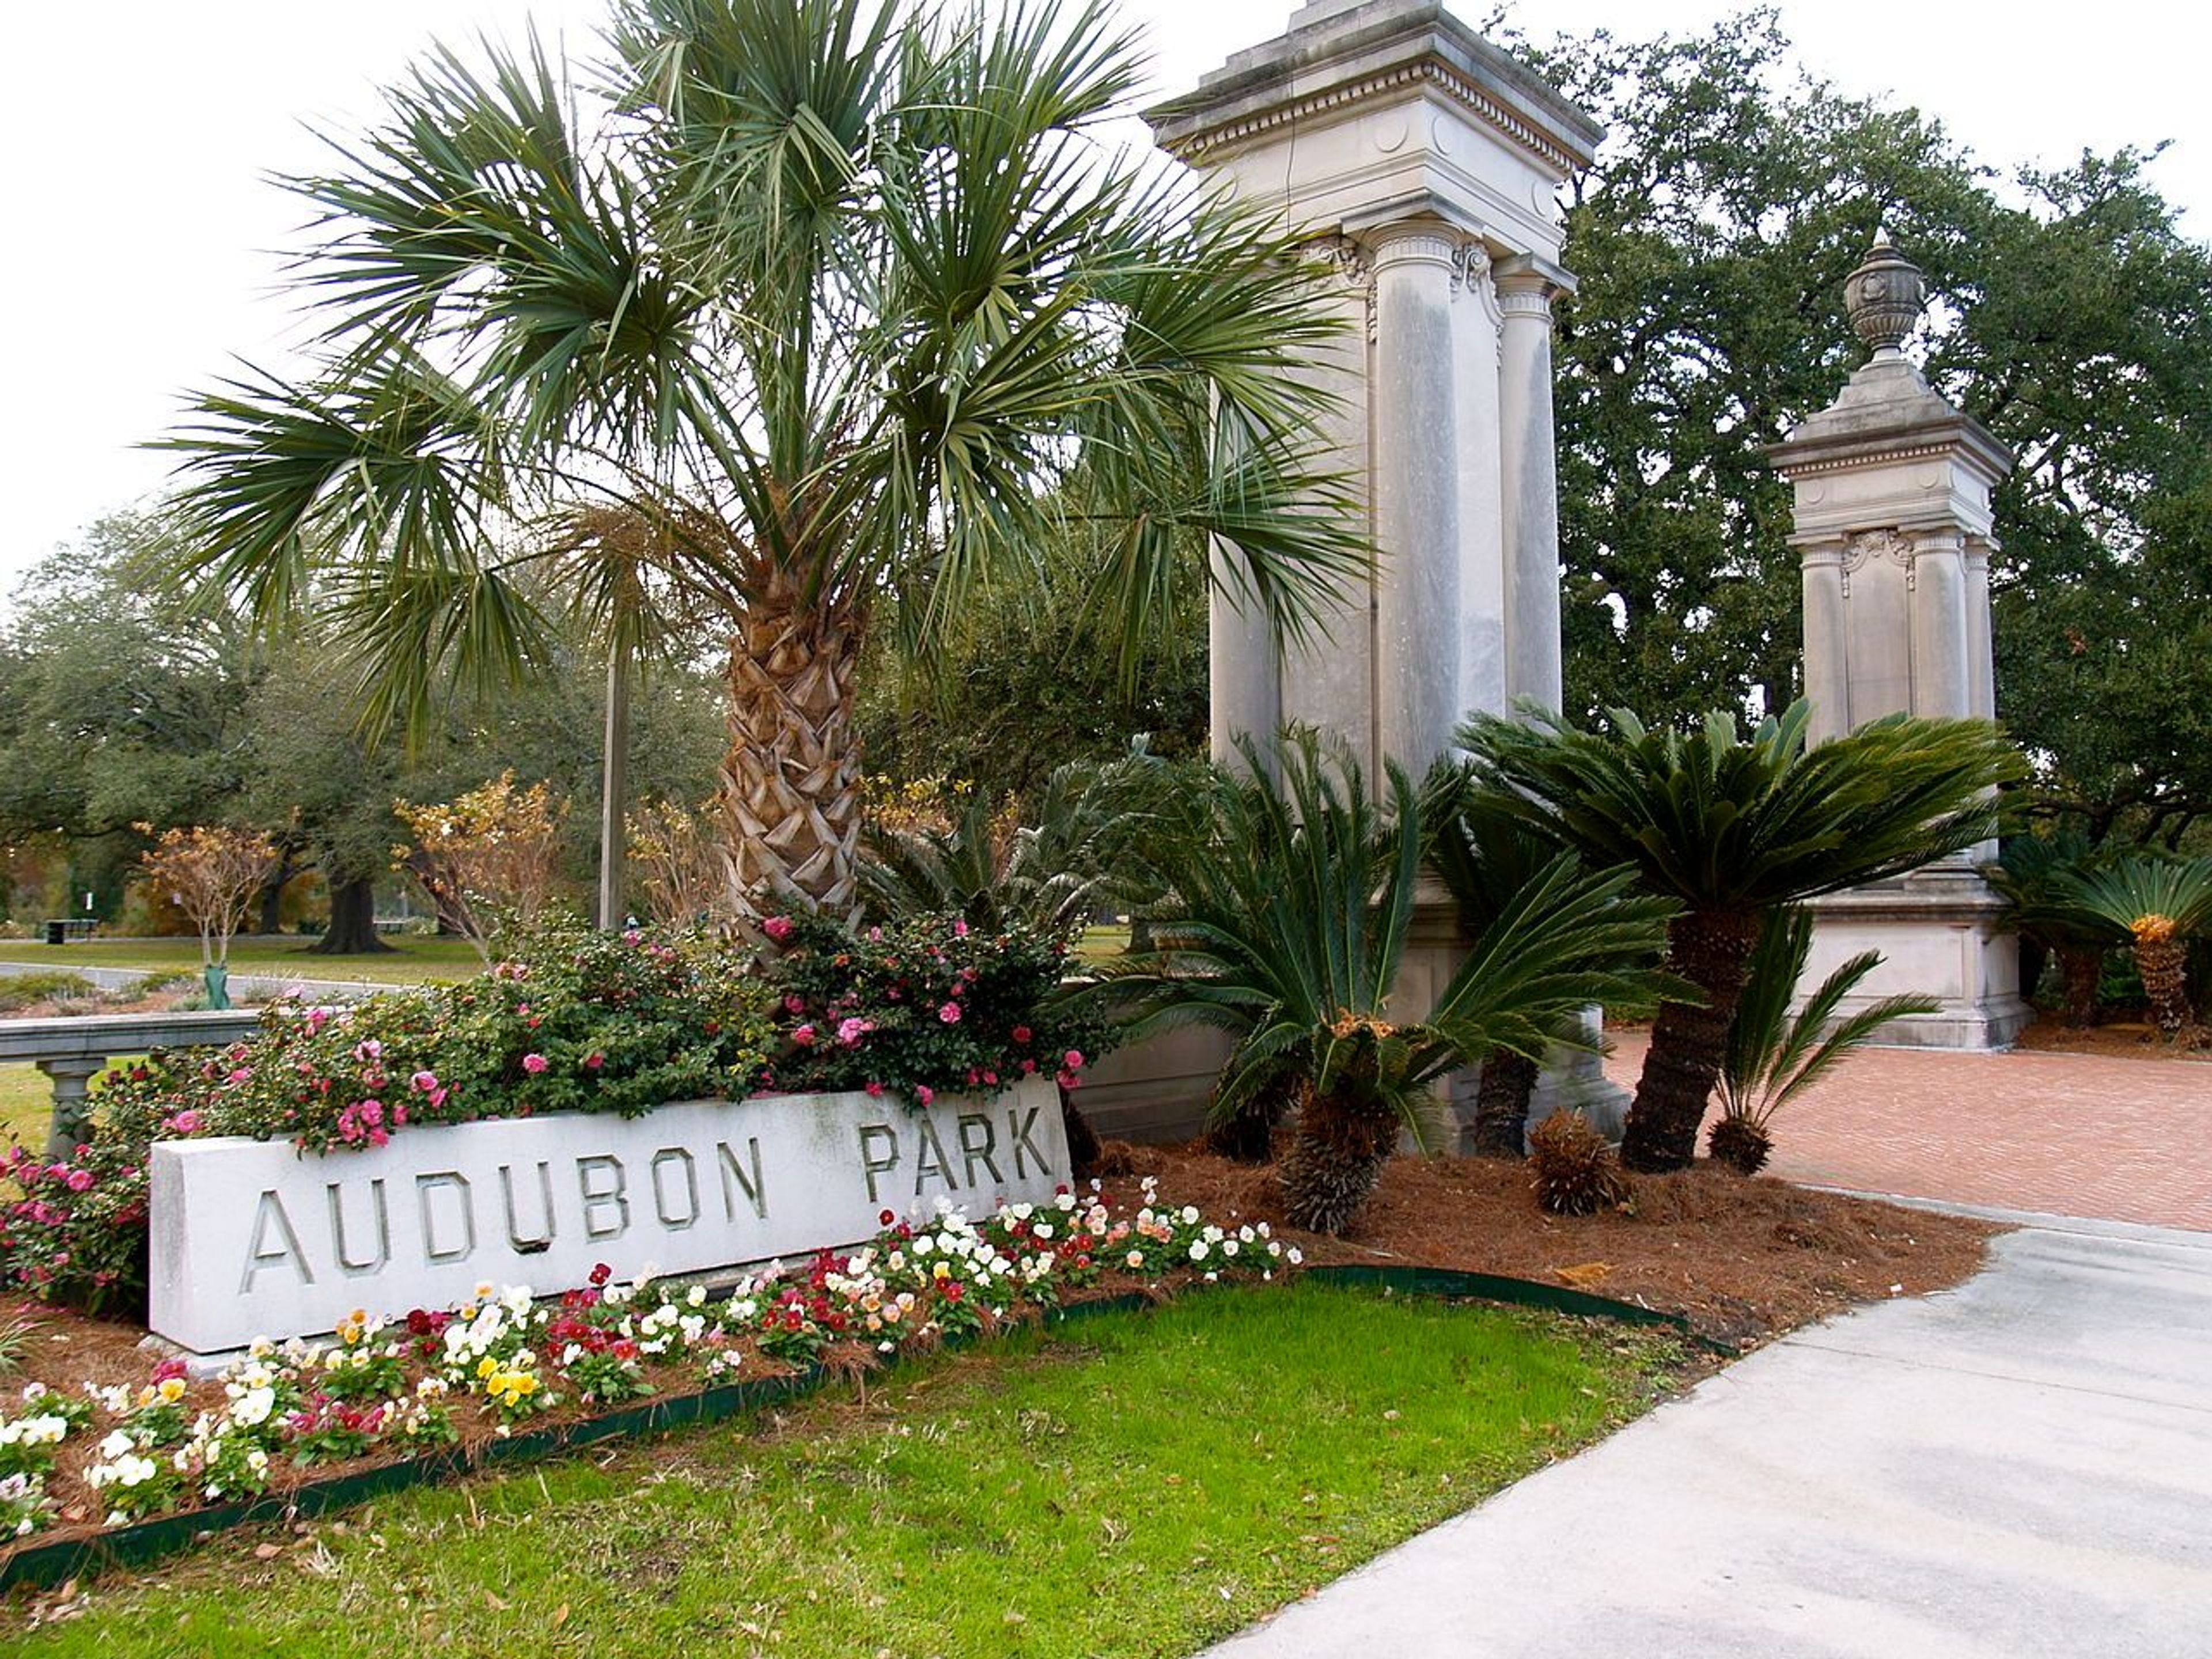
x=256, y=1238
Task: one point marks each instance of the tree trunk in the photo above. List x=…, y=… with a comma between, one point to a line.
x=352, y=931
x=791, y=780
x=1336, y=1158
x=272, y=898
x=1501, y=1104
x=2162, y=963
x=2083, y=969
x=1710, y=949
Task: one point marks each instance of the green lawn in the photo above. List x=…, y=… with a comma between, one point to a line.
x=27, y=1100
x=414, y=957
x=1137, y=1484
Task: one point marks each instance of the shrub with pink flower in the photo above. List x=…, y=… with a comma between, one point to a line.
x=922, y=1006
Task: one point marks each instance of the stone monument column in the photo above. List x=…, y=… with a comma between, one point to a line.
x=1425, y=164
x=1892, y=488
x=1529, y=455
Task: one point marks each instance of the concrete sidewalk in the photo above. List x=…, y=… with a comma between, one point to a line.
x=2021, y=1467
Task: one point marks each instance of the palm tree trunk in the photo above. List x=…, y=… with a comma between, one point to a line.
x=2083, y=969
x=1710, y=949
x=1335, y=1160
x=1501, y=1104
x=2162, y=963
x=791, y=780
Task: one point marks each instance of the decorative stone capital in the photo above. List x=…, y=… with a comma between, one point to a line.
x=1414, y=242
x=1527, y=285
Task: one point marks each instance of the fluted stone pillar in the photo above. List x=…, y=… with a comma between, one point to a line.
x=1529, y=468
x=1892, y=488
x=1416, y=499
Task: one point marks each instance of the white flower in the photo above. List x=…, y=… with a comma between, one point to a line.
x=116, y=1445
x=1190, y=1215
x=1198, y=1249
x=254, y=1406
x=1044, y=1230
x=1230, y=1246
x=1297, y=1255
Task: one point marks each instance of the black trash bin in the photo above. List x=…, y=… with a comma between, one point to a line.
x=58, y=932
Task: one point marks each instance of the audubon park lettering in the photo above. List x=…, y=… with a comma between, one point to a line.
x=255, y=1238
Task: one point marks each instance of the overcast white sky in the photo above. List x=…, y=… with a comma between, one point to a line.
x=136, y=134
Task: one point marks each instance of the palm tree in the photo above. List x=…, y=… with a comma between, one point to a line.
x=2031, y=873
x=846, y=300
x=1289, y=924
x=1773, y=1056
x=1730, y=828
x=1486, y=858
x=2157, y=905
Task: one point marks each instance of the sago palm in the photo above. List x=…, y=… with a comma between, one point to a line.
x=844, y=299
x=2156, y=905
x=1486, y=857
x=1774, y=1055
x=2033, y=873
x=1731, y=827
x=1289, y=920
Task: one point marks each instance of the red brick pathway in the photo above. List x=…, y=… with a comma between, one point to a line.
x=2118, y=1140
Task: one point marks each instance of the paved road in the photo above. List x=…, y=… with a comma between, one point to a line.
x=2018, y=1469
x=2061, y=1134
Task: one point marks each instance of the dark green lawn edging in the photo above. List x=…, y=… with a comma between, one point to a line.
x=142, y=1543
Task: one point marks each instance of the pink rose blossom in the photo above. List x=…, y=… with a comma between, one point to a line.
x=960, y=930
x=593, y=1061
x=794, y=1004
x=1073, y=1060
x=950, y=1014
x=1022, y=1034
x=924, y=1093
x=875, y=1088
x=534, y=1064
x=850, y=1031
x=79, y=1180
x=777, y=928
x=186, y=1122
x=804, y=1036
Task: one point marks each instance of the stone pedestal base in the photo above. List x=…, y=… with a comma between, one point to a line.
x=1938, y=933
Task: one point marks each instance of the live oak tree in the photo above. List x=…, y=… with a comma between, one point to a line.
x=845, y=301
x=2072, y=315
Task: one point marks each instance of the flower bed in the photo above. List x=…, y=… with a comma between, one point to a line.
x=453, y=1383
x=577, y=1021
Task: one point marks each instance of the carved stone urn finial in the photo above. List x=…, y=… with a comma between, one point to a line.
x=1884, y=296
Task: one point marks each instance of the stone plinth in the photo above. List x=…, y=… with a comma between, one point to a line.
x=253, y=1239
x=1893, y=488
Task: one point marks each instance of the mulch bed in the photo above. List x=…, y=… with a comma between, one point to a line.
x=1746, y=1260
x=2115, y=1040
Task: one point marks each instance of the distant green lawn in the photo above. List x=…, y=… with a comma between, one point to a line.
x=1137, y=1484
x=413, y=959
x=26, y=1100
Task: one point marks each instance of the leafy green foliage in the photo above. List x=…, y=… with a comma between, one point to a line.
x=2073, y=316
x=1772, y=1055
x=1287, y=915
x=923, y=1005
x=2123, y=898
x=834, y=298
x=1717, y=819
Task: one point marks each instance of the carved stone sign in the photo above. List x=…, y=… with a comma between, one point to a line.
x=255, y=1238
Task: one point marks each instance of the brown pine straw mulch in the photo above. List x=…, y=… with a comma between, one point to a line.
x=2119, y=1039
x=1746, y=1260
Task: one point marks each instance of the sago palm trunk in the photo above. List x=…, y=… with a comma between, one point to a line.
x=2163, y=964
x=1708, y=948
x=1336, y=1158
x=1501, y=1104
x=790, y=797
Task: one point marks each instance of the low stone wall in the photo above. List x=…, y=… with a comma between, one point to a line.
x=253, y=1238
